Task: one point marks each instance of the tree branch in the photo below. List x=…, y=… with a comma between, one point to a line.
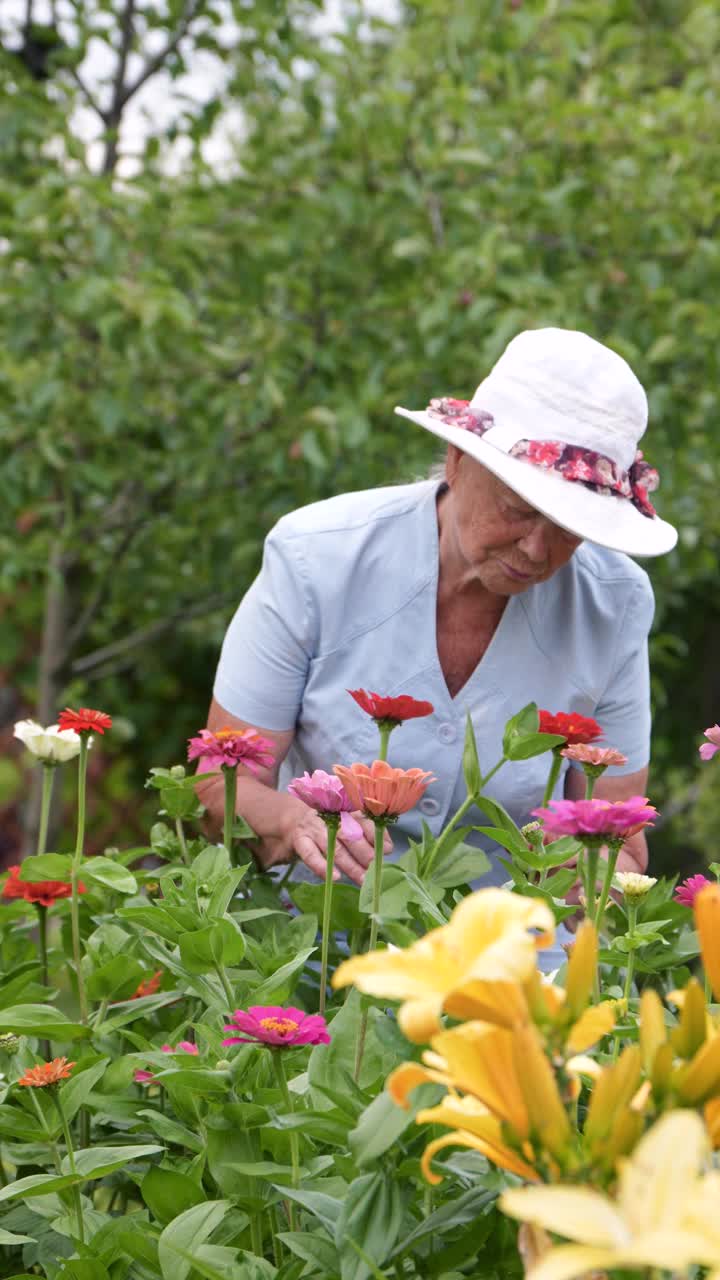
x=89, y=661
x=155, y=63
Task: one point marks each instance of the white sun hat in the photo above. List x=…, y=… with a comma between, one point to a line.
x=558, y=420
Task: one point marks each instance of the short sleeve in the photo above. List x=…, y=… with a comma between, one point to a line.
x=269, y=643
x=624, y=708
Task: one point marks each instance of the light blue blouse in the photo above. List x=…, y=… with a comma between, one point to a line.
x=346, y=599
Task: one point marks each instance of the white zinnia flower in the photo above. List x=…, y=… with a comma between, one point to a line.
x=633, y=884
x=51, y=745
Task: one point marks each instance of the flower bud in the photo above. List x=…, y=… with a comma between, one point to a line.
x=223, y=1065
x=177, y=771
x=9, y=1043
x=633, y=884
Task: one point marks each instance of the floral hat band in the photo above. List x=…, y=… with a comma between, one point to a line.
x=572, y=461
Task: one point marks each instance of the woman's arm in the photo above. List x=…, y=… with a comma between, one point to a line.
x=286, y=826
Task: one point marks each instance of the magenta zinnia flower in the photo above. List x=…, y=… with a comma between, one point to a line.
x=231, y=747
x=709, y=748
x=272, y=1025
x=687, y=892
x=325, y=793
x=606, y=819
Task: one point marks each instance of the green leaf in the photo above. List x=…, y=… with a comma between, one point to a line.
x=157, y=919
x=10, y=1238
x=278, y=986
x=460, y=1211
x=40, y=1020
x=371, y=1215
x=220, y=943
x=46, y=866
x=382, y=1123
x=74, y=1092
x=84, y=1269
x=394, y=894
x=471, y=763
x=322, y=1206
x=461, y=865
x=346, y=913
x=521, y=739
x=167, y=1193
x=188, y=1230
x=112, y=874
x=98, y=1162
x=312, y=1248
x=116, y=979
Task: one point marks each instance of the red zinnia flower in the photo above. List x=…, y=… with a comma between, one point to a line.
x=394, y=710
x=148, y=987
x=572, y=727
x=42, y=892
x=47, y=1073
x=84, y=720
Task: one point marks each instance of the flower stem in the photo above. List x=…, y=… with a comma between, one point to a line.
x=613, y=854
x=230, y=774
x=590, y=780
x=446, y=833
x=75, y=876
x=225, y=983
x=180, y=831
x=47, y=786
x=377, y=883
x=377, y=874
x=593, y=854
x=384, y=730
x=632, y=920
x=71, y=1161
x=42, y=938
x=332, y=826
x=553, y=776
x=256, y=1234
x=278, y=1068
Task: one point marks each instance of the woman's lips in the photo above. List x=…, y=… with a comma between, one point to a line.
x=515, y=573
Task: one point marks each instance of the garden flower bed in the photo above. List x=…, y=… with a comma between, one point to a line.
x=210, y=1073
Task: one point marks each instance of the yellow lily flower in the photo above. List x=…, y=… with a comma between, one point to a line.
x=472, y=967
x=706, y=908
x=648, y=1224
x=477, y=1128
x=696, y=1080
x=481, y=1060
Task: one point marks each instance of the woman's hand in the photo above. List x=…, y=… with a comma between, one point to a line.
x=305, y=835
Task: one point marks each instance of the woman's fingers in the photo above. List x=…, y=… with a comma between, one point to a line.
x=313, y=857
x=369, y=832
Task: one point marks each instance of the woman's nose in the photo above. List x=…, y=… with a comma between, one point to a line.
x=535, y=544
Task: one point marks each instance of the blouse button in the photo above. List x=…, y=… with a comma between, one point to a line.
x=447, y=733
x=429, y=806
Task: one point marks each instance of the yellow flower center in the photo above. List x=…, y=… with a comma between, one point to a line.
x=226, y=733
x=283, y=1026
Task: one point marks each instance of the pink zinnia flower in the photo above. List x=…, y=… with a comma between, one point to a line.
x=231, y=747
x=606, y=819
x=272, y=1025
x=599, y=757
x=327, y=794
x=146, y=1077
x=709, y=748
x=381, y=791
x=687, y=892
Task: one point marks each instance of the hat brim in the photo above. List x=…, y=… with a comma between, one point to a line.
x=607, y=519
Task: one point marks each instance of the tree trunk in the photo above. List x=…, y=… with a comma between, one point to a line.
x=53, y=636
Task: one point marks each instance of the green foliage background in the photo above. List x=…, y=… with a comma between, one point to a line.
x=183, y=358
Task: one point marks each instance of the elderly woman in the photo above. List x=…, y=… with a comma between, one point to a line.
x=508, y=581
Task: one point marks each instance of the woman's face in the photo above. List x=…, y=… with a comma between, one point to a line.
x=493, y=536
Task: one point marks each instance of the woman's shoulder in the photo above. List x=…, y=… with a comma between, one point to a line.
x=595, y=591
x=359, y=512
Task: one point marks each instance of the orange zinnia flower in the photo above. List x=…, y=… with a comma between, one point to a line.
x=148, y=987
x=47, y=1073
x=381, y=791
